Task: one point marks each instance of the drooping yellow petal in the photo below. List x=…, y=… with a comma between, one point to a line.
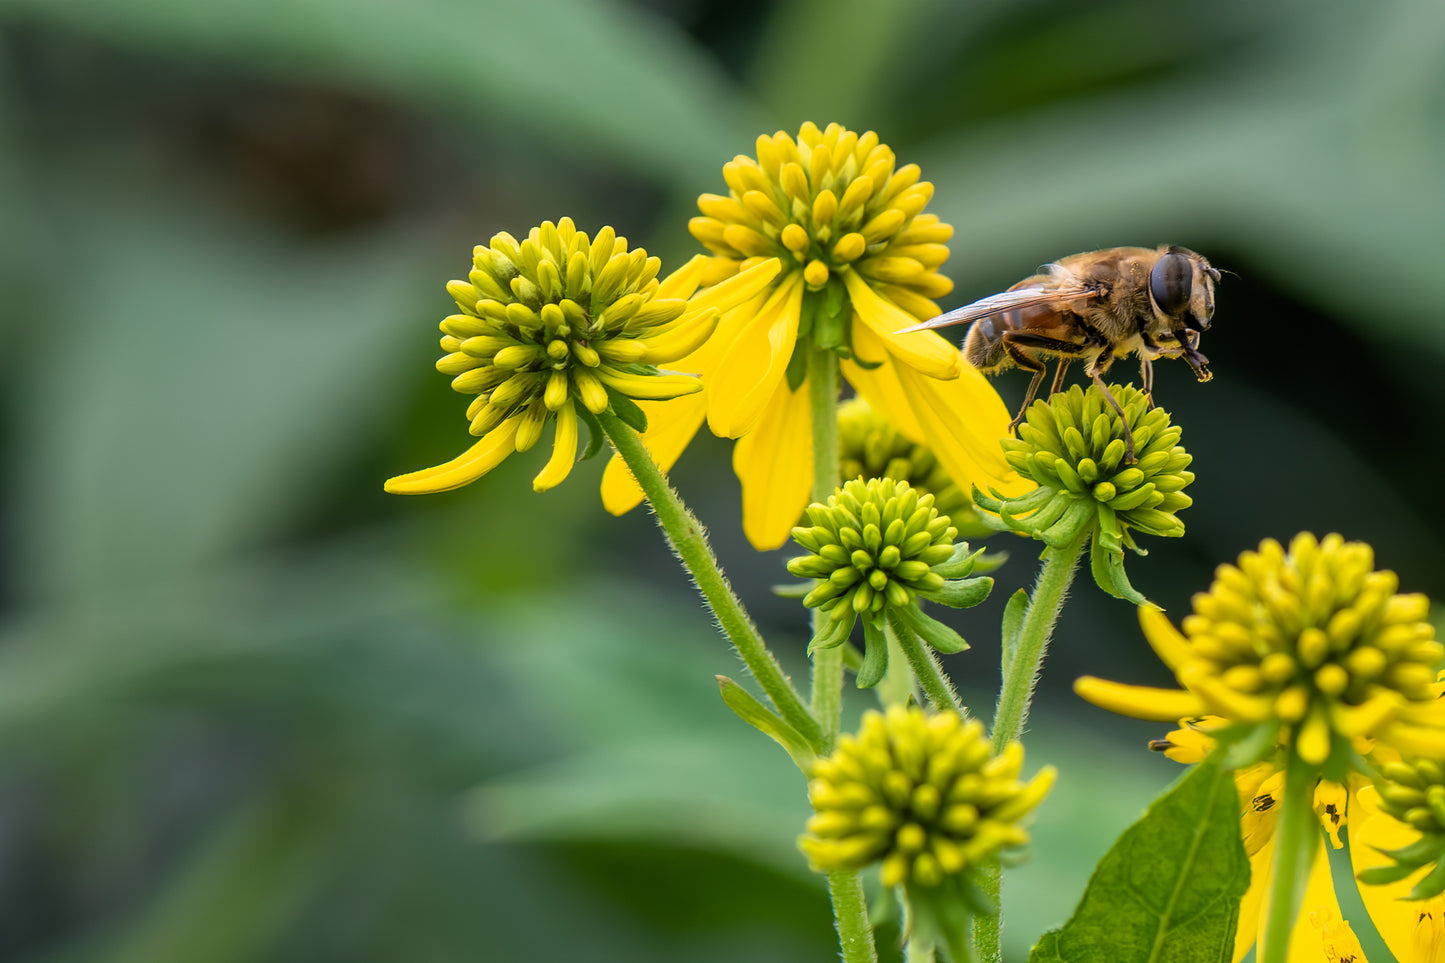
x=564, y=450
x=748, y=374
x=1166, y=641
x=963, y=420
x=735, y=290
x=476, y=461
x=682, y=282
x=1139, y=701
x=880, y=386
x=774, y=462
x=1413, y=930
x=670, y=426
x=924, y=352
x=1251, y=906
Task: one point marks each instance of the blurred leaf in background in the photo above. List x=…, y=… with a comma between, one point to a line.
x=253, y=710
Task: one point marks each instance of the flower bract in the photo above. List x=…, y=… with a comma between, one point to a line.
x=860, y=262
x=559, y=328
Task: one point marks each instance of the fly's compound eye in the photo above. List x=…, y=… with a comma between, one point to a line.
x=1171, y=283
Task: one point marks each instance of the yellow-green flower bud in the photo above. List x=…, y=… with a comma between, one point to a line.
x=560, y=328
x=1072, y=447
x=923, y=795
x=874, y=549
x=870, y=447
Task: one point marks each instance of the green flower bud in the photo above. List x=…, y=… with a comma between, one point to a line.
x=923, y=795
x=1072, y=447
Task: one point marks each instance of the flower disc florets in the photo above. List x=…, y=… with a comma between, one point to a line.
x=874, y=544
x=869, y=446
x=1072, y=447
x=1310, y=648
x=922, y=793
x=562, y=326
x=827, y=203
x=877, y=546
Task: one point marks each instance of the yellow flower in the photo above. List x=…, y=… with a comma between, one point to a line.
x=860, y=263
x=1310, y=648
x=921, y=793
x=560, y=327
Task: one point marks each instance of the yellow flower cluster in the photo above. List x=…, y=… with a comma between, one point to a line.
x=921, y=793
x=1310, y=641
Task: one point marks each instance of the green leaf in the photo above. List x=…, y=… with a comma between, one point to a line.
x=962, y=593
x=935, y=633
x=747, y=708
x=875, y=652
x=626, y=409
x=792, y=590
x=960, y=564
x=1169, y=889
x=1108, y=567
x=1013, y=622
x=595, y=435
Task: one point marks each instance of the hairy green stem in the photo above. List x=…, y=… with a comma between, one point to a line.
x=1295, y=846
x=827, y=693
x=936, y=686
x=850, y=909
x=1019, y=676
x=686, y=536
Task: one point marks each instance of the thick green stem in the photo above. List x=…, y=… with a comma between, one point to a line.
x=1019, y=676
x=827, y=692
x=936, y=686
x=850, y=909
x=1295, y=846
x=685, y=533
x=850, y=916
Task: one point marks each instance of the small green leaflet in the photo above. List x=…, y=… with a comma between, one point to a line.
x=1169, y=889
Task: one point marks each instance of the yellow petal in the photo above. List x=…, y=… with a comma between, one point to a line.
x=735, y=290
x=1414, y=931
x=682, y=282
x=1252, y=905
x=748, y=374
x=1166, y=641
x=1141, y=702
x=774, y=462
x=924, y=352
x=668, y=346
x=564, y=450
x=1415, y=740
x=880, y=386
x=670, y=426
x=963, y=421
x=466, y=468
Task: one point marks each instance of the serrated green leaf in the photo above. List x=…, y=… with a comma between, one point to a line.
x=1169, y=889
x=747, y=708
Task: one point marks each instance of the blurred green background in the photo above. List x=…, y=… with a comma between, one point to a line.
x=251, y=709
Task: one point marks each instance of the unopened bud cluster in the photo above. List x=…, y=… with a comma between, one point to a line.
x=1316, y=639
x=921, y=793
x=873, y=544
x=561, y=316
x=1072, y=446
